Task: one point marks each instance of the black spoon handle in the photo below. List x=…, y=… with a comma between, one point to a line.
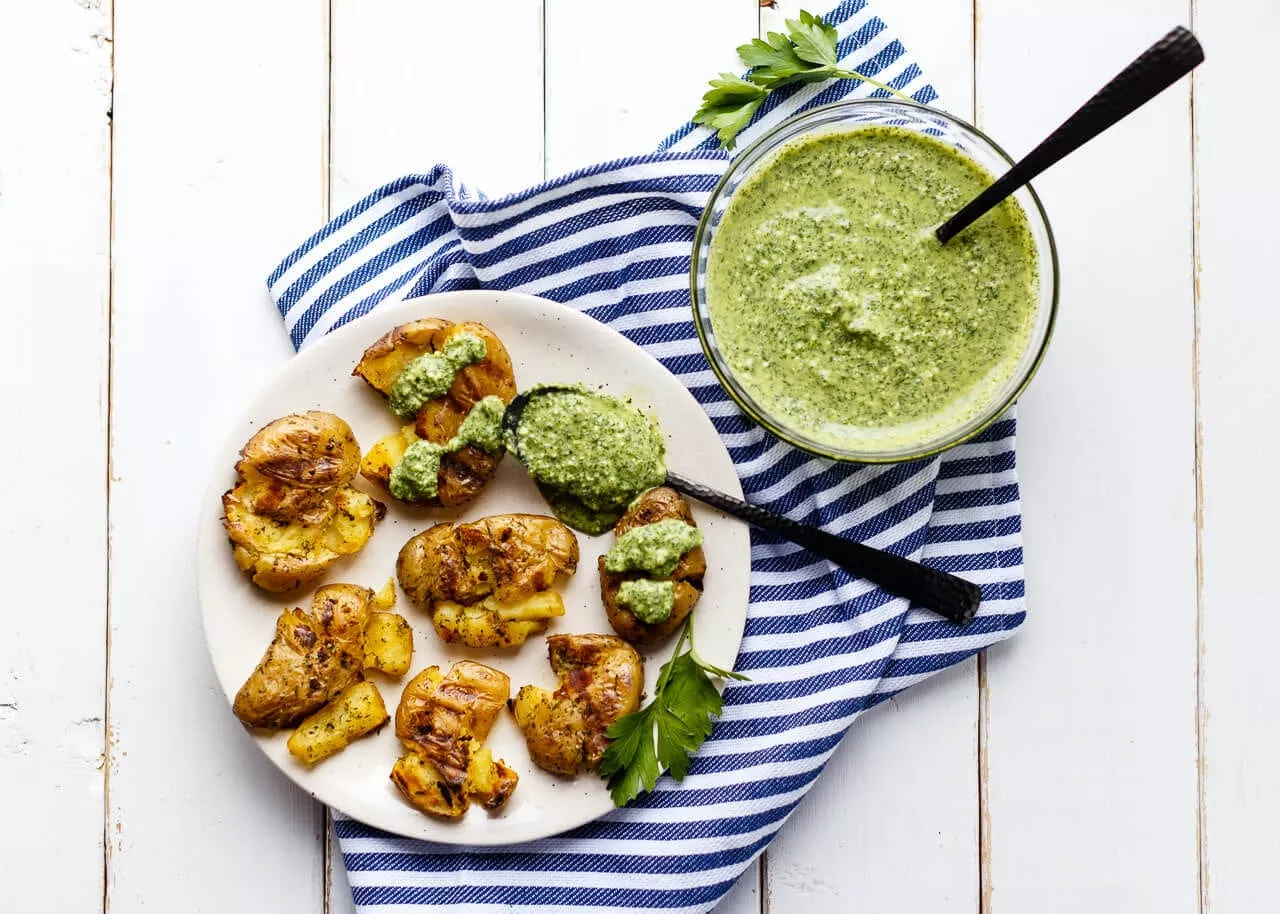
x=1163, y=64
x=954, y=598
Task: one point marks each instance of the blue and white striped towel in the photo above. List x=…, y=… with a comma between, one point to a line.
x=820, y=647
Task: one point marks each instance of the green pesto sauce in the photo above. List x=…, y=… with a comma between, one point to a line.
x=431, y=375
x=649, y=601
x=590, y=454
x=838, y=309
x=482, y=427
x=654, y=548
x=577, y=515
x=417, y=476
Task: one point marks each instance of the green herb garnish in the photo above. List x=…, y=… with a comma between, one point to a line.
x=685, y=702
x=807, y=53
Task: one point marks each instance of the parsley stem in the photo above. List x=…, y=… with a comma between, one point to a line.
x=854, y=74
x=686, y=634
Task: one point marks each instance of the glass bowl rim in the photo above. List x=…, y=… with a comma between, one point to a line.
x=724, y=374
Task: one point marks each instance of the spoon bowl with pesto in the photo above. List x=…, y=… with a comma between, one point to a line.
x=830, y=311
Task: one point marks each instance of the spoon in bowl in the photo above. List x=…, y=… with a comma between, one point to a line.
x=1156, y=69
x=951, y=597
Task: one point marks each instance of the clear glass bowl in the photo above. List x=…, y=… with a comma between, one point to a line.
x=849, y=115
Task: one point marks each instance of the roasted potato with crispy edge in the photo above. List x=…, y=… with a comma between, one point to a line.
x=441, y=721
x=388, y=637
x=654, y=505
x=488, y=583
x=601, y=679
x=357, y=711
x=292, y=514
x=313, y=657
x=462, y=473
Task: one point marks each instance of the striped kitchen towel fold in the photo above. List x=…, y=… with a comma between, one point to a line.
x=820, y=647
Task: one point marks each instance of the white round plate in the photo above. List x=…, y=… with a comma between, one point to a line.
x=548, y=343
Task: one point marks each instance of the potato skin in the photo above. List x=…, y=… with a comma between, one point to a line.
x=465, y=472
x=314, y=450
x=434, y=710
x=313, y=657
x=489, y=567
x=292, y=513
x=662, y=503
x=441, y=721
x=601, y=679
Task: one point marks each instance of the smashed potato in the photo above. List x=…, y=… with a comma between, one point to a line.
x=441, y=721
x=493, y=624
x=488, y=583
x=601, y=679
x=388, y=637
x=388, y=644
x=385, y=454
x=463, y=473
x=313, y=657
x=292, y=513
x=654, y=505
x=357, y=711
x=385, y=599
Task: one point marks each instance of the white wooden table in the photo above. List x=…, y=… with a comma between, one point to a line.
x=1119, y=755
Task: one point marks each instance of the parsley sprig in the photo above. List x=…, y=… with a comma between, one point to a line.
x=667, y=731
x=807, y=53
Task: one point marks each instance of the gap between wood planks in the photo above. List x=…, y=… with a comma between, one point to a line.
x=108, y=741
x=1202, y=847
x=984, y=704
x=542, y=55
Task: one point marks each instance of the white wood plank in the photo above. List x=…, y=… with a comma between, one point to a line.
x=893, y=823
x=55, y=67
x=1091, y=738
x=416, y=84
x=220, y=120
x=621, y=76
x=402, y=102
x=1238, y=393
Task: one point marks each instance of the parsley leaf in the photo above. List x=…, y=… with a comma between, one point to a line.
x=807, y=53
x=630, y=764
x=815, y=41
x=676, y=741
x=728, y=105
x=774, y=59
x=669, y=729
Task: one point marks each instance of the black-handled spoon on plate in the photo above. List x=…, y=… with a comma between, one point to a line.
x=1159, y=67
x=953, y=598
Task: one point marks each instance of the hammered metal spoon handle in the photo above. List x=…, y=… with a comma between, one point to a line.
x=955, y=599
